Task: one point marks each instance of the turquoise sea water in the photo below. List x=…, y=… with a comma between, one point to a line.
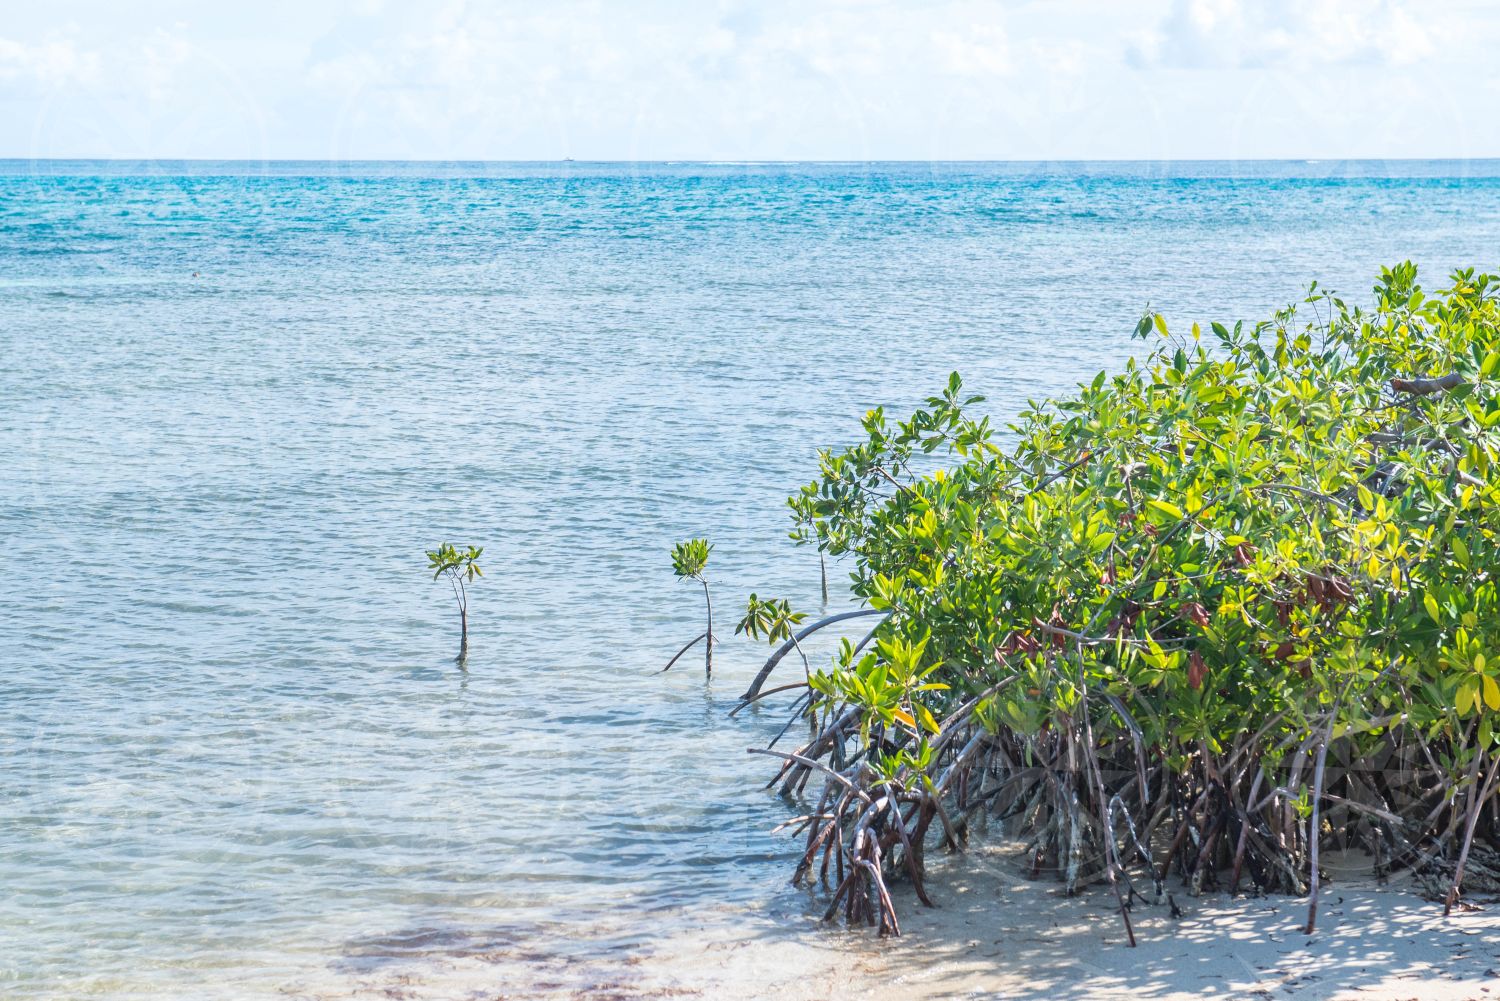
x=238, y=400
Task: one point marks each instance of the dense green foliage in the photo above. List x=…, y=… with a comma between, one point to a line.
x=1238, y=597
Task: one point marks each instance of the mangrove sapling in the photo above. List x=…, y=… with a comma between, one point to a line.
x=792, y=642
x=772, y=620
x=460, y=566
x=689, y=560
x=1215, y=613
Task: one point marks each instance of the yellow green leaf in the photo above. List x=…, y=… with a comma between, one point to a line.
x=1466, y=695
x=1492, y=693
x=1166, y=507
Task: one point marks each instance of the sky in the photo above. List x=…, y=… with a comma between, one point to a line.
x=742, y=80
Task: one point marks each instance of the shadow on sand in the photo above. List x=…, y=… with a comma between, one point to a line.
x=994, y=934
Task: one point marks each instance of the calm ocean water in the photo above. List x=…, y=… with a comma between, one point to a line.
x=237, y=401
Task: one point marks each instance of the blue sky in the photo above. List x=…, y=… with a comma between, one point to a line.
x=732, y=79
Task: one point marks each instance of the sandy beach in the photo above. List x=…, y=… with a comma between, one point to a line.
x=996, y=935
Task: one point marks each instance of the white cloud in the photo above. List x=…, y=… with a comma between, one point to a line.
x=981, y=50
x=1066, y=58
x=162, y=57
x=582, y=69
x=1217, y=34
x=747, y=79
x=53, y=62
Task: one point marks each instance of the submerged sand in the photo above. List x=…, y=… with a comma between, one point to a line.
x=996, y=935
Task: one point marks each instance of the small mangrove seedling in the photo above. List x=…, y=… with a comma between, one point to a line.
x=772, y=621
x=460, y=566
x=688, y=562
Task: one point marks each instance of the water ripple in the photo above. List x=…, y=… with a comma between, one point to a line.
x=234, y=410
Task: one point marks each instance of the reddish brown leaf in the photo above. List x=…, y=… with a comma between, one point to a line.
x=1197, y=670
x=1056, y=622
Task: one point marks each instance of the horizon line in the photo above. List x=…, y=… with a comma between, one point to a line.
x=752, y=162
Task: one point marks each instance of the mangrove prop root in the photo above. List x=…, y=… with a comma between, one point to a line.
x=685, y=648
x=791, y=644
x=1088, y=810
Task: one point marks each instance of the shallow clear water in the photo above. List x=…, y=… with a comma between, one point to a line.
x=237, y=401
